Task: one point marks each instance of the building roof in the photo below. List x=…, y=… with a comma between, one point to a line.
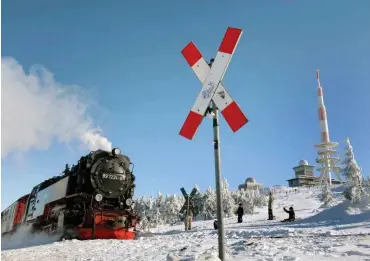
x=303, y=177
x=250, y=180
x=303, y=162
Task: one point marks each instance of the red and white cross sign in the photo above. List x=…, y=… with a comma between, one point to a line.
x=212, y=88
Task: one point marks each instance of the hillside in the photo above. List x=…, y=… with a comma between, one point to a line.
x=336, y=233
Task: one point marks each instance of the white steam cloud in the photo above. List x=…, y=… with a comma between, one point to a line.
x=37, y=110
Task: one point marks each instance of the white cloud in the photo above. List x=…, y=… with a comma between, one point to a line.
x=36, y=110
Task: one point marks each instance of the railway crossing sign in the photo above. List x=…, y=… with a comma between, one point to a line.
x=188, y=198
x=213, y=97
x=211, y=77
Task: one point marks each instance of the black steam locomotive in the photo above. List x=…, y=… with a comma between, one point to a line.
x=93, y=199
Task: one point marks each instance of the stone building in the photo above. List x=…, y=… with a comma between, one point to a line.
x=250, y=183
x=304, y=176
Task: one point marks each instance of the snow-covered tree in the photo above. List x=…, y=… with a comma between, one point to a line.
x=353, y=189
x=198, y=201
x=139, y=206
x=144, y=209
x=326, y=195
x=158, y=208
x=367, y=183
x=258, y=199
x=171, y=209
x=367, y=186
x=166, y=210
x=228, y=203
x=209, y=203
x=246, y=198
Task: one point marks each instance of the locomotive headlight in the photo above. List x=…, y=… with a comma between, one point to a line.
x=98, y=197
x=116, y=151
x=128, y=202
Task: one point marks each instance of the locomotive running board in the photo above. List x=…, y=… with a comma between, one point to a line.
x=77, y=194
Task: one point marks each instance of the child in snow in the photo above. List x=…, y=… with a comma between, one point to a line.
x=291, y=215
x=240, y=213
x=215, y=226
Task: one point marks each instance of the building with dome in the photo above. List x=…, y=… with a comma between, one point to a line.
x=250, y=183
x=304, y=176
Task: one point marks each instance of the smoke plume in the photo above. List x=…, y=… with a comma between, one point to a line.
x=37, y=110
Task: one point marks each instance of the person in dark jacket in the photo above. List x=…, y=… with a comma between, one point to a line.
x=291, y=215
x=240, y=213
x=215, y=225
x=270, y=206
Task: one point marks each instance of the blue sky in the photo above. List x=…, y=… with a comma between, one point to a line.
x=126, y=56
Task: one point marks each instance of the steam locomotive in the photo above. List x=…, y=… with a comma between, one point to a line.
x=91, y=200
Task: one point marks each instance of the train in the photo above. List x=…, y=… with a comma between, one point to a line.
x=91, y=200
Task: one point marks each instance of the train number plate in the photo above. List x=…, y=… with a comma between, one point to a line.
x=113, y=177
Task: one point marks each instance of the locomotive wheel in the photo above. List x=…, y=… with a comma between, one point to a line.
x=68, y=234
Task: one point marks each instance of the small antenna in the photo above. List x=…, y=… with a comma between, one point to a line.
x=318, y=77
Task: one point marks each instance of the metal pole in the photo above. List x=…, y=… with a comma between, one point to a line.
x=216, y=141
x=187, y=214
x=157, y=217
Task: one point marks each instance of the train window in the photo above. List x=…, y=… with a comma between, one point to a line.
x=13, y=212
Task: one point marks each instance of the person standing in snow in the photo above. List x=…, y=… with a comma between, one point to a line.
x=189, y=216
x=270, y=205
x=240, y=213
x=215, y=224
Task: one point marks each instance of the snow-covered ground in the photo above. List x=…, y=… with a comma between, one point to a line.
x=337, y=233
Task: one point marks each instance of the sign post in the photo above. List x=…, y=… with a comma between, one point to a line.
x=216, y=147
x=212, y=98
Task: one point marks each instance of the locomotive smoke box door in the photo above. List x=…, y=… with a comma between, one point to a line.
x=109, y=178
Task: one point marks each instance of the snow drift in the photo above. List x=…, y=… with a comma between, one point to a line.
x=344, y=213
